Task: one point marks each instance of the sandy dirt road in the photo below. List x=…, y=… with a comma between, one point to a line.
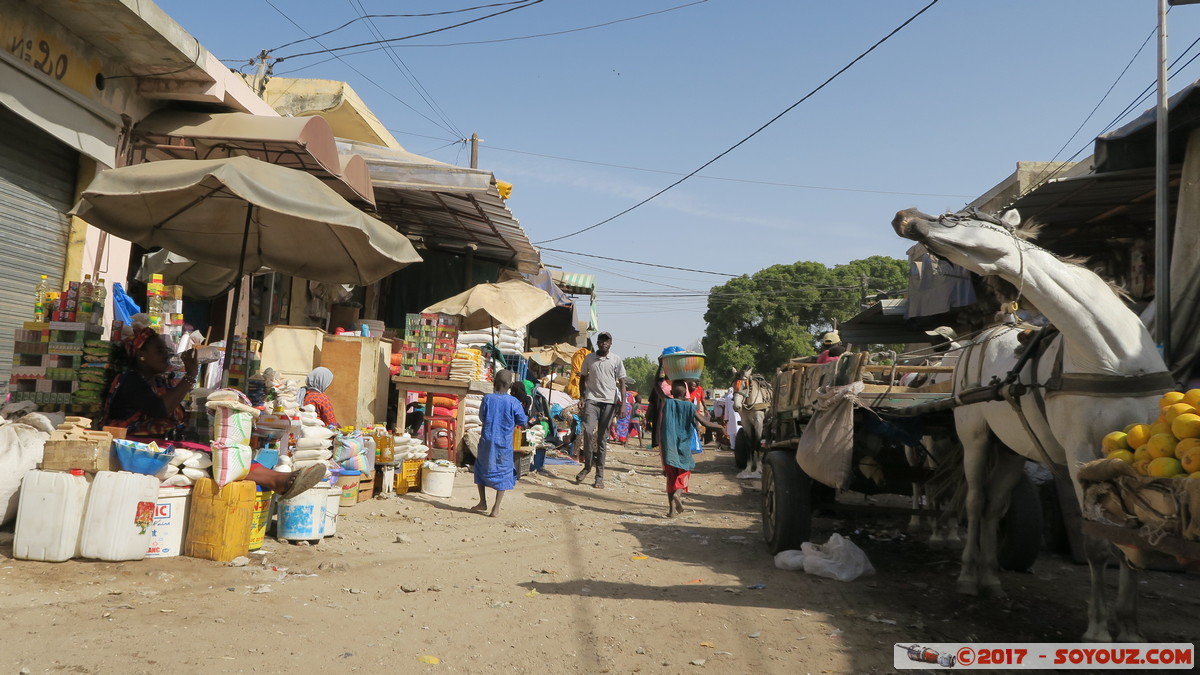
x=567, y=580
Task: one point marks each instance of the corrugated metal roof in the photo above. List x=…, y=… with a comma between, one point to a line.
x=446, y=207
x=1082, y=215
x=572, y=282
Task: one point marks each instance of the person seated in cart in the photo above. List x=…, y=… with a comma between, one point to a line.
x=144, y=402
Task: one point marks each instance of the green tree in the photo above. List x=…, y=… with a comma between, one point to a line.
x=778, y=313
x=642, y=370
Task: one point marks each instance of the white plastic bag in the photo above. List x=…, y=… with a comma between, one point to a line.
x=791, y=561
x=839, y=558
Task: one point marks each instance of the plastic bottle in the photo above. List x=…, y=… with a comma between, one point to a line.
x=99, y=295
x=41, y=299
x=84, y=309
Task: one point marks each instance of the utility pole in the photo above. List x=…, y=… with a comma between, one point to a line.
x=260, y=78
x=474, y=150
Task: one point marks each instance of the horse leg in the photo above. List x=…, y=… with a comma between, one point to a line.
x=1098, y=552
x=976, y=450
x=1126, y=609
x=915, y=522
x=1001, y=480
x=754, y=436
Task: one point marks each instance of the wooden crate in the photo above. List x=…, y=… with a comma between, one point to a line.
x=90, y=455
x=366, y=489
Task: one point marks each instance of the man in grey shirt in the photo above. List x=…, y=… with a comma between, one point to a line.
x=601, y=380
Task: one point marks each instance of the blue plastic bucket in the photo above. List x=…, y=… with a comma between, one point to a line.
x=303, y=516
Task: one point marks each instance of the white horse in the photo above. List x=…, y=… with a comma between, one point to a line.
x=1111, y=375
x=751, y=399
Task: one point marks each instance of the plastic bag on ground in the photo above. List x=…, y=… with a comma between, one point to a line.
x=791, y=561
x=839, y=558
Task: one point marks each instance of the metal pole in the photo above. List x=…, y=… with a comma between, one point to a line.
x=474, y=151
x=1162, y=232
x=236, y=300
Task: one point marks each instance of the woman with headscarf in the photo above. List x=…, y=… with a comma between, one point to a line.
x=144, y=401
x=314, y=394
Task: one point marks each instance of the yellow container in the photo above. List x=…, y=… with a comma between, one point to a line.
x=261, y=519
x=220, y=520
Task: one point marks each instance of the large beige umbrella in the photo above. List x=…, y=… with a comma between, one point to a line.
x=512, y=303
x=244, y=214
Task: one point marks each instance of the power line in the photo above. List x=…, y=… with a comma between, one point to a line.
x=405, y=71
x=754, y=133
x=415, y=35
x=368, y=17
x=528, y=37
x=360, y=73
x=634, y=262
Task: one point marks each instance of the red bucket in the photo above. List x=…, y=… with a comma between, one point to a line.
x=682, y=365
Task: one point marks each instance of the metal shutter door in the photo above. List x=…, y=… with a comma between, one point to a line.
x=37, y=186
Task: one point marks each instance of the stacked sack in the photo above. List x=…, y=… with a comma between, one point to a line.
x=507, y=340
x=467, y=365
x=535, y=435
x=95, y=373
x=231, y=418
x=472, y=425
x=315, y=445
x=185, y=468
x=355, y=452
x=409, y=448
x=441, y=425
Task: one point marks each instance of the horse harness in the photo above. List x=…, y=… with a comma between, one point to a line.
x=1011, y=389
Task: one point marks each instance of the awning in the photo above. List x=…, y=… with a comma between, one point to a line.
x=571, y=282
x=884, y=323
x=304, y=143
x=1082, y=216
x=446, y=207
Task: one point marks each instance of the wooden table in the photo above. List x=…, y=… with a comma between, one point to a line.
x=452, y=387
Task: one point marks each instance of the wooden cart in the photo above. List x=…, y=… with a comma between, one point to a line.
x=887, y=421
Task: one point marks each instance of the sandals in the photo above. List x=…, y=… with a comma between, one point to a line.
x=304, y=479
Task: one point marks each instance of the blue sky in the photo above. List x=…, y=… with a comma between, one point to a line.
x=588, y=123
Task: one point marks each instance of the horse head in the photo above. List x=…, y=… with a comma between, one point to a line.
x=978, y=242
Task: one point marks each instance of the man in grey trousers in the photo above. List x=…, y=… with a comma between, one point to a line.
x=602, y=381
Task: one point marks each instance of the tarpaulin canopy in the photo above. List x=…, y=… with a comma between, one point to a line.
x=305, y=143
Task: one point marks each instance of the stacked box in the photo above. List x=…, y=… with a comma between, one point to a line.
x=46, y=362
x=428, y=345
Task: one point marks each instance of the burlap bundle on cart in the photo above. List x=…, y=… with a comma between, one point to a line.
x=1114, y=493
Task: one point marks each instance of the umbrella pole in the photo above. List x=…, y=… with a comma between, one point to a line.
x=235, y=302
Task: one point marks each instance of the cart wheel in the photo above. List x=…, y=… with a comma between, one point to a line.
x=787, y=502
x=1020, y=537
x=741, y=450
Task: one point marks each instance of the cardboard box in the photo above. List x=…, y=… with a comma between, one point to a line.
x=91, y=455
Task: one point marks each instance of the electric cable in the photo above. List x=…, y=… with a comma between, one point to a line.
x=405, y=71
x=395, y=16
x=754, y=133
x=360, y=73
x=415, y=35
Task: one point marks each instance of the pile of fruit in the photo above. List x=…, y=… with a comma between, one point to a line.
x=1168, y=447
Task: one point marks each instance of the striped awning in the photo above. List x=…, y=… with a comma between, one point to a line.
x=572, y=282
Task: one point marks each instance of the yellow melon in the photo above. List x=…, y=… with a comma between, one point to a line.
x=1123, y=455
x=1142, y=454
x=1185, y=445
x=1175, y=410
x=1164, y=467
x=1191, y=460
x=1142, y=466
x=1186, y=425
x=1194, y=474
x=1116, y=441
x=1162, y=445
x=1137, y=435
x=1170, y=398
x=1160, y=426
x=1192, y=397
